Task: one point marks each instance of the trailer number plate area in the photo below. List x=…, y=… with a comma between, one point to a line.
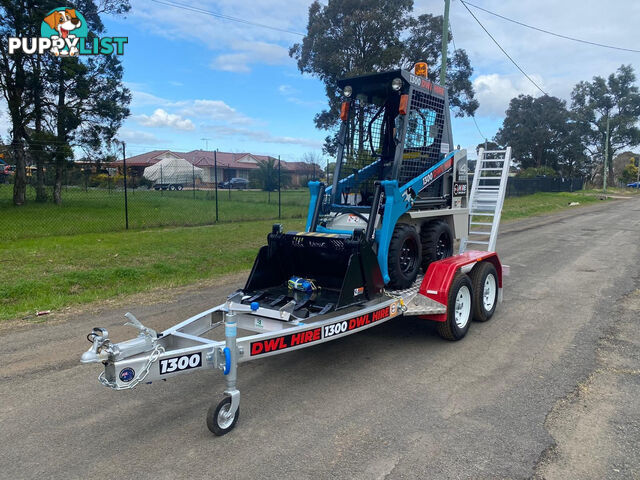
x=183, y=362
x=313, y=335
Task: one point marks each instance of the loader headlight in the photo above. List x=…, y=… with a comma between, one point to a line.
x=347, y=91
x=396, y=84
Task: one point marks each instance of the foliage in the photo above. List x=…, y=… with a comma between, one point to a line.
x=630, y=172
x=59, y=102
x=266, y=176
x=355, y=37
x=616, y=98
x=535, y=129
x=533, y=172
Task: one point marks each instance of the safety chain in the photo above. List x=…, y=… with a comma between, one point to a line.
x=157, y=351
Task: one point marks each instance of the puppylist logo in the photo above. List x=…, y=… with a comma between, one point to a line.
x=64, y=33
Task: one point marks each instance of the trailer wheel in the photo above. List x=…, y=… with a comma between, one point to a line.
x=404, y=256
x=172, y=187
x=218, y=421
x=179, y=187
x=484, y=280
x=459, y=308
x=437, y=242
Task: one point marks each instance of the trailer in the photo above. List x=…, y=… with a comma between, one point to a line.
x=399, y=185
x=452, y=292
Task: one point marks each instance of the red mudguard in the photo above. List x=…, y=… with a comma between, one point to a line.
x=437, y=280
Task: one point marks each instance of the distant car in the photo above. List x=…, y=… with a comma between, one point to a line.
x=239, y=183
x=633, y=185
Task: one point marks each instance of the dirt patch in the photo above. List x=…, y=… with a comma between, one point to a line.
x=597, y=427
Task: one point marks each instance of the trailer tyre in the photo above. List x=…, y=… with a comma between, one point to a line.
x=484, y=280
x=459, y=309
x=437, y=242
x=217, y=420
x=404, y=256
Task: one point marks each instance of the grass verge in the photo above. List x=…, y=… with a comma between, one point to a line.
x=52, y=272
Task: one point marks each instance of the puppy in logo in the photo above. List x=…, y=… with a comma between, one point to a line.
x=63, y=22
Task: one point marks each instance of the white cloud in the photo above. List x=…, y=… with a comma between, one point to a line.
x=261, y=136
x=138, y=137
x=161, y=118
x=494, y=92
x=250, y=53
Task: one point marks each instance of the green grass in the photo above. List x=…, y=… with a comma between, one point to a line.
x=98, y=210
x=49, y=273
x=55, y=271
x=542, y=203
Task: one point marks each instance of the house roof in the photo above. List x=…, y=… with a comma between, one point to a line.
x=205, y=158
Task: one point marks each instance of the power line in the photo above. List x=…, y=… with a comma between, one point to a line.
x=171, y=3
x=566, y=37
x=503, y=50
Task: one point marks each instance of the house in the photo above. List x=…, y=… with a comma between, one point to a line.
x=230, y=165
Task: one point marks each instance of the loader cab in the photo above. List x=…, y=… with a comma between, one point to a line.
x=394, y=125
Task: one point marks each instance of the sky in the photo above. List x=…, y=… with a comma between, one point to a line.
x=196, y=77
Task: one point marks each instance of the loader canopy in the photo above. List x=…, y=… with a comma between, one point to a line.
x=380, y=142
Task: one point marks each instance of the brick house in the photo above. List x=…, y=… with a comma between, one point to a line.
x=230, y=165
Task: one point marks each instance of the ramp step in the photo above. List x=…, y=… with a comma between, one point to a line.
x=479, y=233
x=481, y=223
x=491, y=169
x=477, y=242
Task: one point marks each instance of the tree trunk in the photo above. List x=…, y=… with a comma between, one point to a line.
x=20, y=179
x=61, y=139
x=41, y=193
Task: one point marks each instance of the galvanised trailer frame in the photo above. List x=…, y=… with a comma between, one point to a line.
x=445, y=294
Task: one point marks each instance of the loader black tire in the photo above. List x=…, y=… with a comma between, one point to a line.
x=437, y=242
x=455, y=327
x=404, y=256
x=484, y=280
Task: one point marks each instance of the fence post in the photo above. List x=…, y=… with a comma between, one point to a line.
x=279, y=185
x=161, y=182
x=193, y=176
x=215, y=178
x=126, y=203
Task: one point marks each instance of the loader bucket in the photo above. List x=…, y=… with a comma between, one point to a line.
x=344, y=269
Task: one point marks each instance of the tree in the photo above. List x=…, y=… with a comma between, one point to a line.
x=53, y=102
x=355, y=37
x=314, y=160
x=267, y=174
x=630, y=172
x=535, y=129
x=618, y=99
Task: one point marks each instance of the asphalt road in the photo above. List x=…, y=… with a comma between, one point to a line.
x=549, y=388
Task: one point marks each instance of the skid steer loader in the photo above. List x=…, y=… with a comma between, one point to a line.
x=397, y=201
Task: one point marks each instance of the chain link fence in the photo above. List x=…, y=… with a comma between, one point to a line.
x=98, y=202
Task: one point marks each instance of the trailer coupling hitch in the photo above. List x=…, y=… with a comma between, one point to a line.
x=103, y=350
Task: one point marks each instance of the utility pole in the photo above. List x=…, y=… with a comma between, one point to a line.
x=279, y=198
x=606, y=158
x=445, y=43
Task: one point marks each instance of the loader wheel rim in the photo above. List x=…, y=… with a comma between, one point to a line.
x=489, y=292
x=408, y=256
x=443, y=247
x=462, y=307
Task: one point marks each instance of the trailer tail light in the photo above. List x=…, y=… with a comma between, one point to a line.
x=404, y=104
x=344, y=111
